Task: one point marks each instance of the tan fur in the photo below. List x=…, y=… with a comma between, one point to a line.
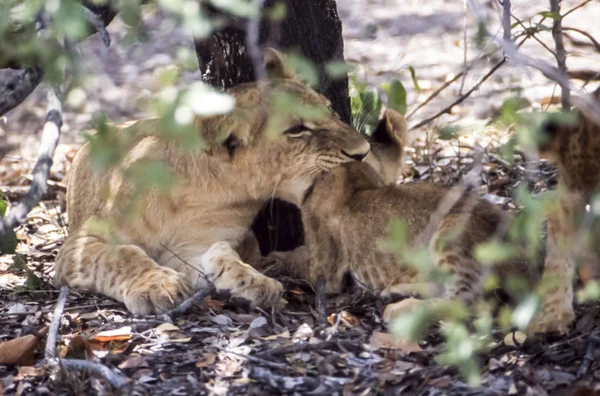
x=576, y=151
x=175, y=240
x=349, y=211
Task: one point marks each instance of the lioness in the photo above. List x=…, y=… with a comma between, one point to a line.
x=347, y=213
x=181, y=238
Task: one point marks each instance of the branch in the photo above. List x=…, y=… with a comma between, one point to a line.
x=19, y=87
x=55, y=324
x=295, y=348
x=252, y=33
x=50, y=135
x=98, y=24
x=117, y=381
x=286, y=384
x=461, y=99
x=515, y=57
x=6, y=148
x=561, y=55
x=506, y=20
x=595, y=43
x=189, y=303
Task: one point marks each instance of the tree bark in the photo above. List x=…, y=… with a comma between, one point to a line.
x=311, y=27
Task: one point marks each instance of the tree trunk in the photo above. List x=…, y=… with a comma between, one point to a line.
x=314, y=28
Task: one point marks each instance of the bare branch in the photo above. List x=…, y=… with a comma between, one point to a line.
x=50, y=135
x=252, y=31
x=461, y=99
x=578, y=6
x=55, y=324
x=189, y=303
x=561, y=55
x=6, y=148
x=19, y=87
x=98, y=24
x=595, y=42
x=117, y=381
x=516, y=57
x=506, y=20
x=285, y=384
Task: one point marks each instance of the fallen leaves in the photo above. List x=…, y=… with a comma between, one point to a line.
x=20, y=351
x=121, y=334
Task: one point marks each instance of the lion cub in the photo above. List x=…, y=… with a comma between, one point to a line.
x=572, y=228
x=347, y=213
x=181, y=238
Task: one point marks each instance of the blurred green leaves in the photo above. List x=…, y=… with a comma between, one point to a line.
x=8, y=244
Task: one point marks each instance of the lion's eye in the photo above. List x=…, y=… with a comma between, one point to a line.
x=297, y=131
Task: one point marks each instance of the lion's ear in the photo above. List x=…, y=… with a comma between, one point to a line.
x=276, y=66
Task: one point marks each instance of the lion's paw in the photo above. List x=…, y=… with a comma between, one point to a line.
x=229, y=274
x=157, y=291
x=392, y=311
x=553, y=319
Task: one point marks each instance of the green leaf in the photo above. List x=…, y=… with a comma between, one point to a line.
x=397, y=97
x=413, y=75
x=277, y=12
x=8, y=244
x=3, y=206
x=550, y=14
x=449, y=132
x=305, y=69
x=493, y=253
x=525, y=311
x=337, y=69
x=371, y=106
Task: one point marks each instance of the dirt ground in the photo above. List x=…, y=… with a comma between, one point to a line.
x=221, y=349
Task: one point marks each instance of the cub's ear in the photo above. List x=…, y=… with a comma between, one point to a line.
x=276, y=66
x=391, y=130
x=387, y=146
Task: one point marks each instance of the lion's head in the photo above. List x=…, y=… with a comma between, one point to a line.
x=285, y=131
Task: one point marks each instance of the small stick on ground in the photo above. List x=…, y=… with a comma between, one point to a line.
x=266, y=363
x=55, y=324
x=588, y=358
x=189, y=303
x=295, y=348
x=117, y=381
x=297, y=384
x=320, y=288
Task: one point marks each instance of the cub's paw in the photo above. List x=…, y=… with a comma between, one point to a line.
x=245, y=283
x=157, y=291
x=232, y=276
x=392, y=311
x=553, y=319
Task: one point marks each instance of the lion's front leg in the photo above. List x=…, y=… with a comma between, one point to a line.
x=121, y=271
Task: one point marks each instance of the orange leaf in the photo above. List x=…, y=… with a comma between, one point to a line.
x=78, y=348
x=207, y=360
x=19, y=351
x=122, y=334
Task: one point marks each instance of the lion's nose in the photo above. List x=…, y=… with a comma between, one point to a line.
x=359, y=153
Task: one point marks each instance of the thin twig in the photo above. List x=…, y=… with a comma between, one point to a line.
x=18, y=88
x=561, y=55
x=295, y=348
x=465, y=47
x=461, y=99
x=595, y=42
x=287, y=384
x=55, y=324
x=576, y=8
x=252, y=33
x=519, y=59
x=117, y=381
x=435, y=93
x=50, y=135
x=185, y=306
x=321, y=303
x=506, y=20
x=266, y=363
